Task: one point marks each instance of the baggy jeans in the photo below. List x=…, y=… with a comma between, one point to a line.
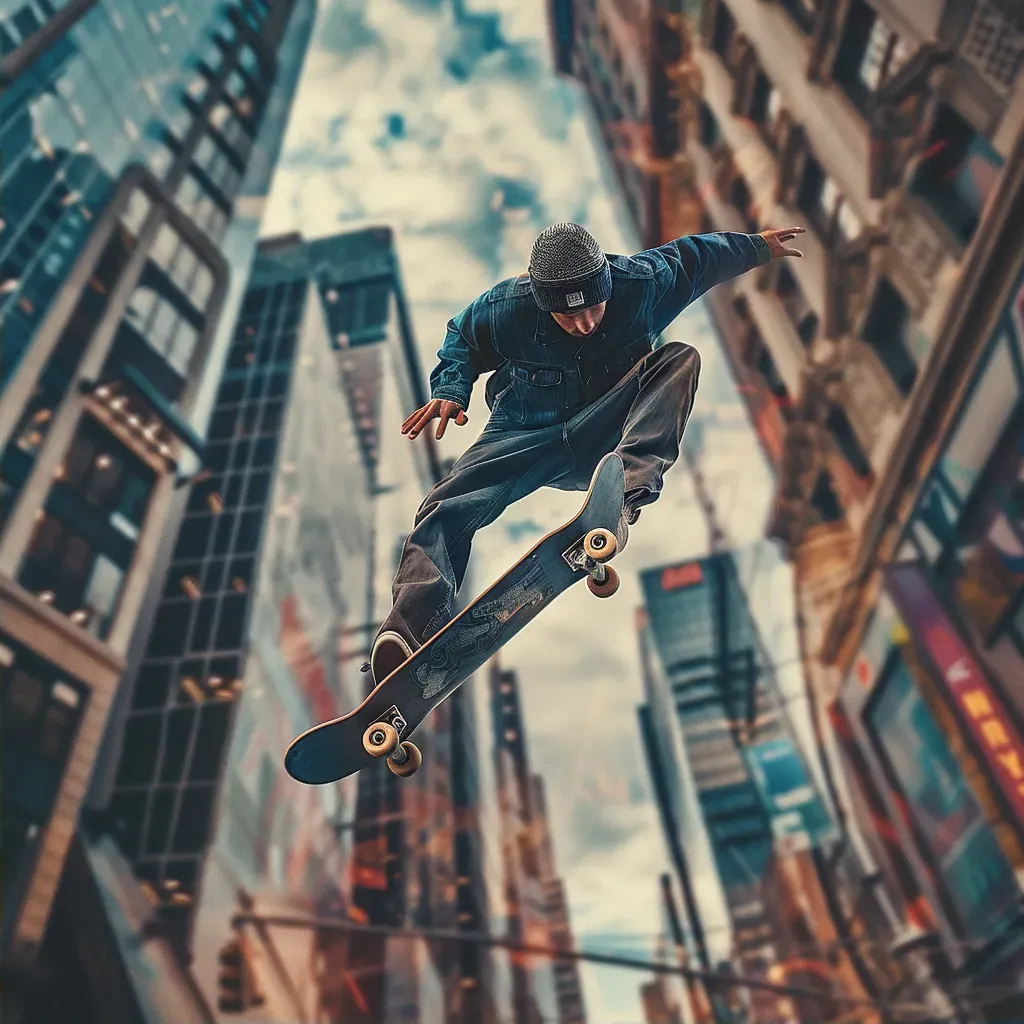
x=641, y=418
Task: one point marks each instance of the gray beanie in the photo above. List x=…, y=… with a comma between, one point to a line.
x=568, y=270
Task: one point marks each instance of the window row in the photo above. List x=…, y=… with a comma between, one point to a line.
x=219, y=534
x=183, y=626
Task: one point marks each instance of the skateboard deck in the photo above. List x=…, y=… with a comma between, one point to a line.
x=575, y=551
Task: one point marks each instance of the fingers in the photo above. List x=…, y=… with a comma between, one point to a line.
x=436, y=407
x=450, y=411
x=420, y=418
x=791, y=252
x=446, y=414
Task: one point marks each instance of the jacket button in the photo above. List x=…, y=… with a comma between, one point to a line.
x=601, y=335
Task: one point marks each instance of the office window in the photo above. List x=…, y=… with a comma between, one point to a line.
x=107, y=476
x=213, y=576
x=233, y=491
x=233, y=616
x=824, y=500
x=709, y=131
x=847, y=442
x=193, y=828
x=223, y=534
x=178, y=735
x=140, y=750
x=231, y=391
x=789, y=292
x=994, y=46
x=170, y=629
x=202, y=628
x=265, y=452
x=761, y=96
x=161, y=815
x=66, y=571
x=723, y=32
x=957, y=173
x=194, y=537
x=211, y=740
x=250, y=528
x=152, y=686
x=886, y=329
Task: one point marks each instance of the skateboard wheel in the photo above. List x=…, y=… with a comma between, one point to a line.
x=380, y=739
x=413, y=759
x=600, y=544
x=607, y=587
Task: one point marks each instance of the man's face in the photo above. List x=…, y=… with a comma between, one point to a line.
x=582, y=323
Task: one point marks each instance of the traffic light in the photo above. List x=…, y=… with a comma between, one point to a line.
x=236, y=984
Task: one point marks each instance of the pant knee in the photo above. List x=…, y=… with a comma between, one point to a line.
x=681, y=355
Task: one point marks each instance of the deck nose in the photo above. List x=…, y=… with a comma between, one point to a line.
x=303, y=765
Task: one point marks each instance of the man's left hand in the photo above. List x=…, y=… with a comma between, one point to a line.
x=777, y=239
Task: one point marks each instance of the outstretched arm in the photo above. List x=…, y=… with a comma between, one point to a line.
x=687, y=267
x=465, y=353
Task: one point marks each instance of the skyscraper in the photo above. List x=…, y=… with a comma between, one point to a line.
x=543, y=989
x=138, y=141
x=267, y=606
x=710, y=696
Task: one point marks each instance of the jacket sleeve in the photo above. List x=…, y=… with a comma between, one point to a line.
x=465, y=353
x=686, y=268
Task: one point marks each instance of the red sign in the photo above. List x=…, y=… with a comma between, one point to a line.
x=681, y=576
x=983, y=711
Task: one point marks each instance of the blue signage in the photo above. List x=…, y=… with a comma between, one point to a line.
x=798, y=817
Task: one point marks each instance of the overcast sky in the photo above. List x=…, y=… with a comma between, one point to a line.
x=456, y=133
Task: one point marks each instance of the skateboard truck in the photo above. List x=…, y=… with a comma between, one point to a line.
x=589, y=555
x=383, y=738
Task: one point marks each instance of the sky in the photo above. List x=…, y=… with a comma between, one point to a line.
x=445, y=121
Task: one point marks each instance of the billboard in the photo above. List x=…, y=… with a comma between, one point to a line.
x=964, y=850
x=980, y=707
x=798, y=817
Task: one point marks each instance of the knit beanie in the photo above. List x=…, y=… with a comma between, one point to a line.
x=568, y=270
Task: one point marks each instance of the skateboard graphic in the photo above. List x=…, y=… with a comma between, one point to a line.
x=381, y=725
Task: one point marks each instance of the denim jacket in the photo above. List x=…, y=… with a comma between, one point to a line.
x=545, y=375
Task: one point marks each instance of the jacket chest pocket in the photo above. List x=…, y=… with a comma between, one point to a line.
x=538, y=377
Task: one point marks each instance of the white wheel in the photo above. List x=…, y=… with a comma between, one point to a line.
x=380, y=739
x=600, y=544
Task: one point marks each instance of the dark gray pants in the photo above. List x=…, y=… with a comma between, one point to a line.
x=642, y=418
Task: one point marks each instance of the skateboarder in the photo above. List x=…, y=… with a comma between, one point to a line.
x=577, y=377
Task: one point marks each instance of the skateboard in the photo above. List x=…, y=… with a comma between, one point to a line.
x=381, y=725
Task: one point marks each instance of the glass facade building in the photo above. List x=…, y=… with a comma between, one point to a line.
x=134, y=137
x=711, y=699
x=267, y=589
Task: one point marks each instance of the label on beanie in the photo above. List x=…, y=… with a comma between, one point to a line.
x=574, y=299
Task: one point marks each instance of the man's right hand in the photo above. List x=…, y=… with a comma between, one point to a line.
x=436, y=407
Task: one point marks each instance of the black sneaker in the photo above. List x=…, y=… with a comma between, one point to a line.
x=390, y=650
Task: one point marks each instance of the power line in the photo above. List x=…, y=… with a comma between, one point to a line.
x=714, y=978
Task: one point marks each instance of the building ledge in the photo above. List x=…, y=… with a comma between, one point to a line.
x=836, y=132
x=55, y=637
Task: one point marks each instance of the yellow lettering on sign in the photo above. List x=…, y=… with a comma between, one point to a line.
x=1011, y=761
x=977, y=703
x=995, y=733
